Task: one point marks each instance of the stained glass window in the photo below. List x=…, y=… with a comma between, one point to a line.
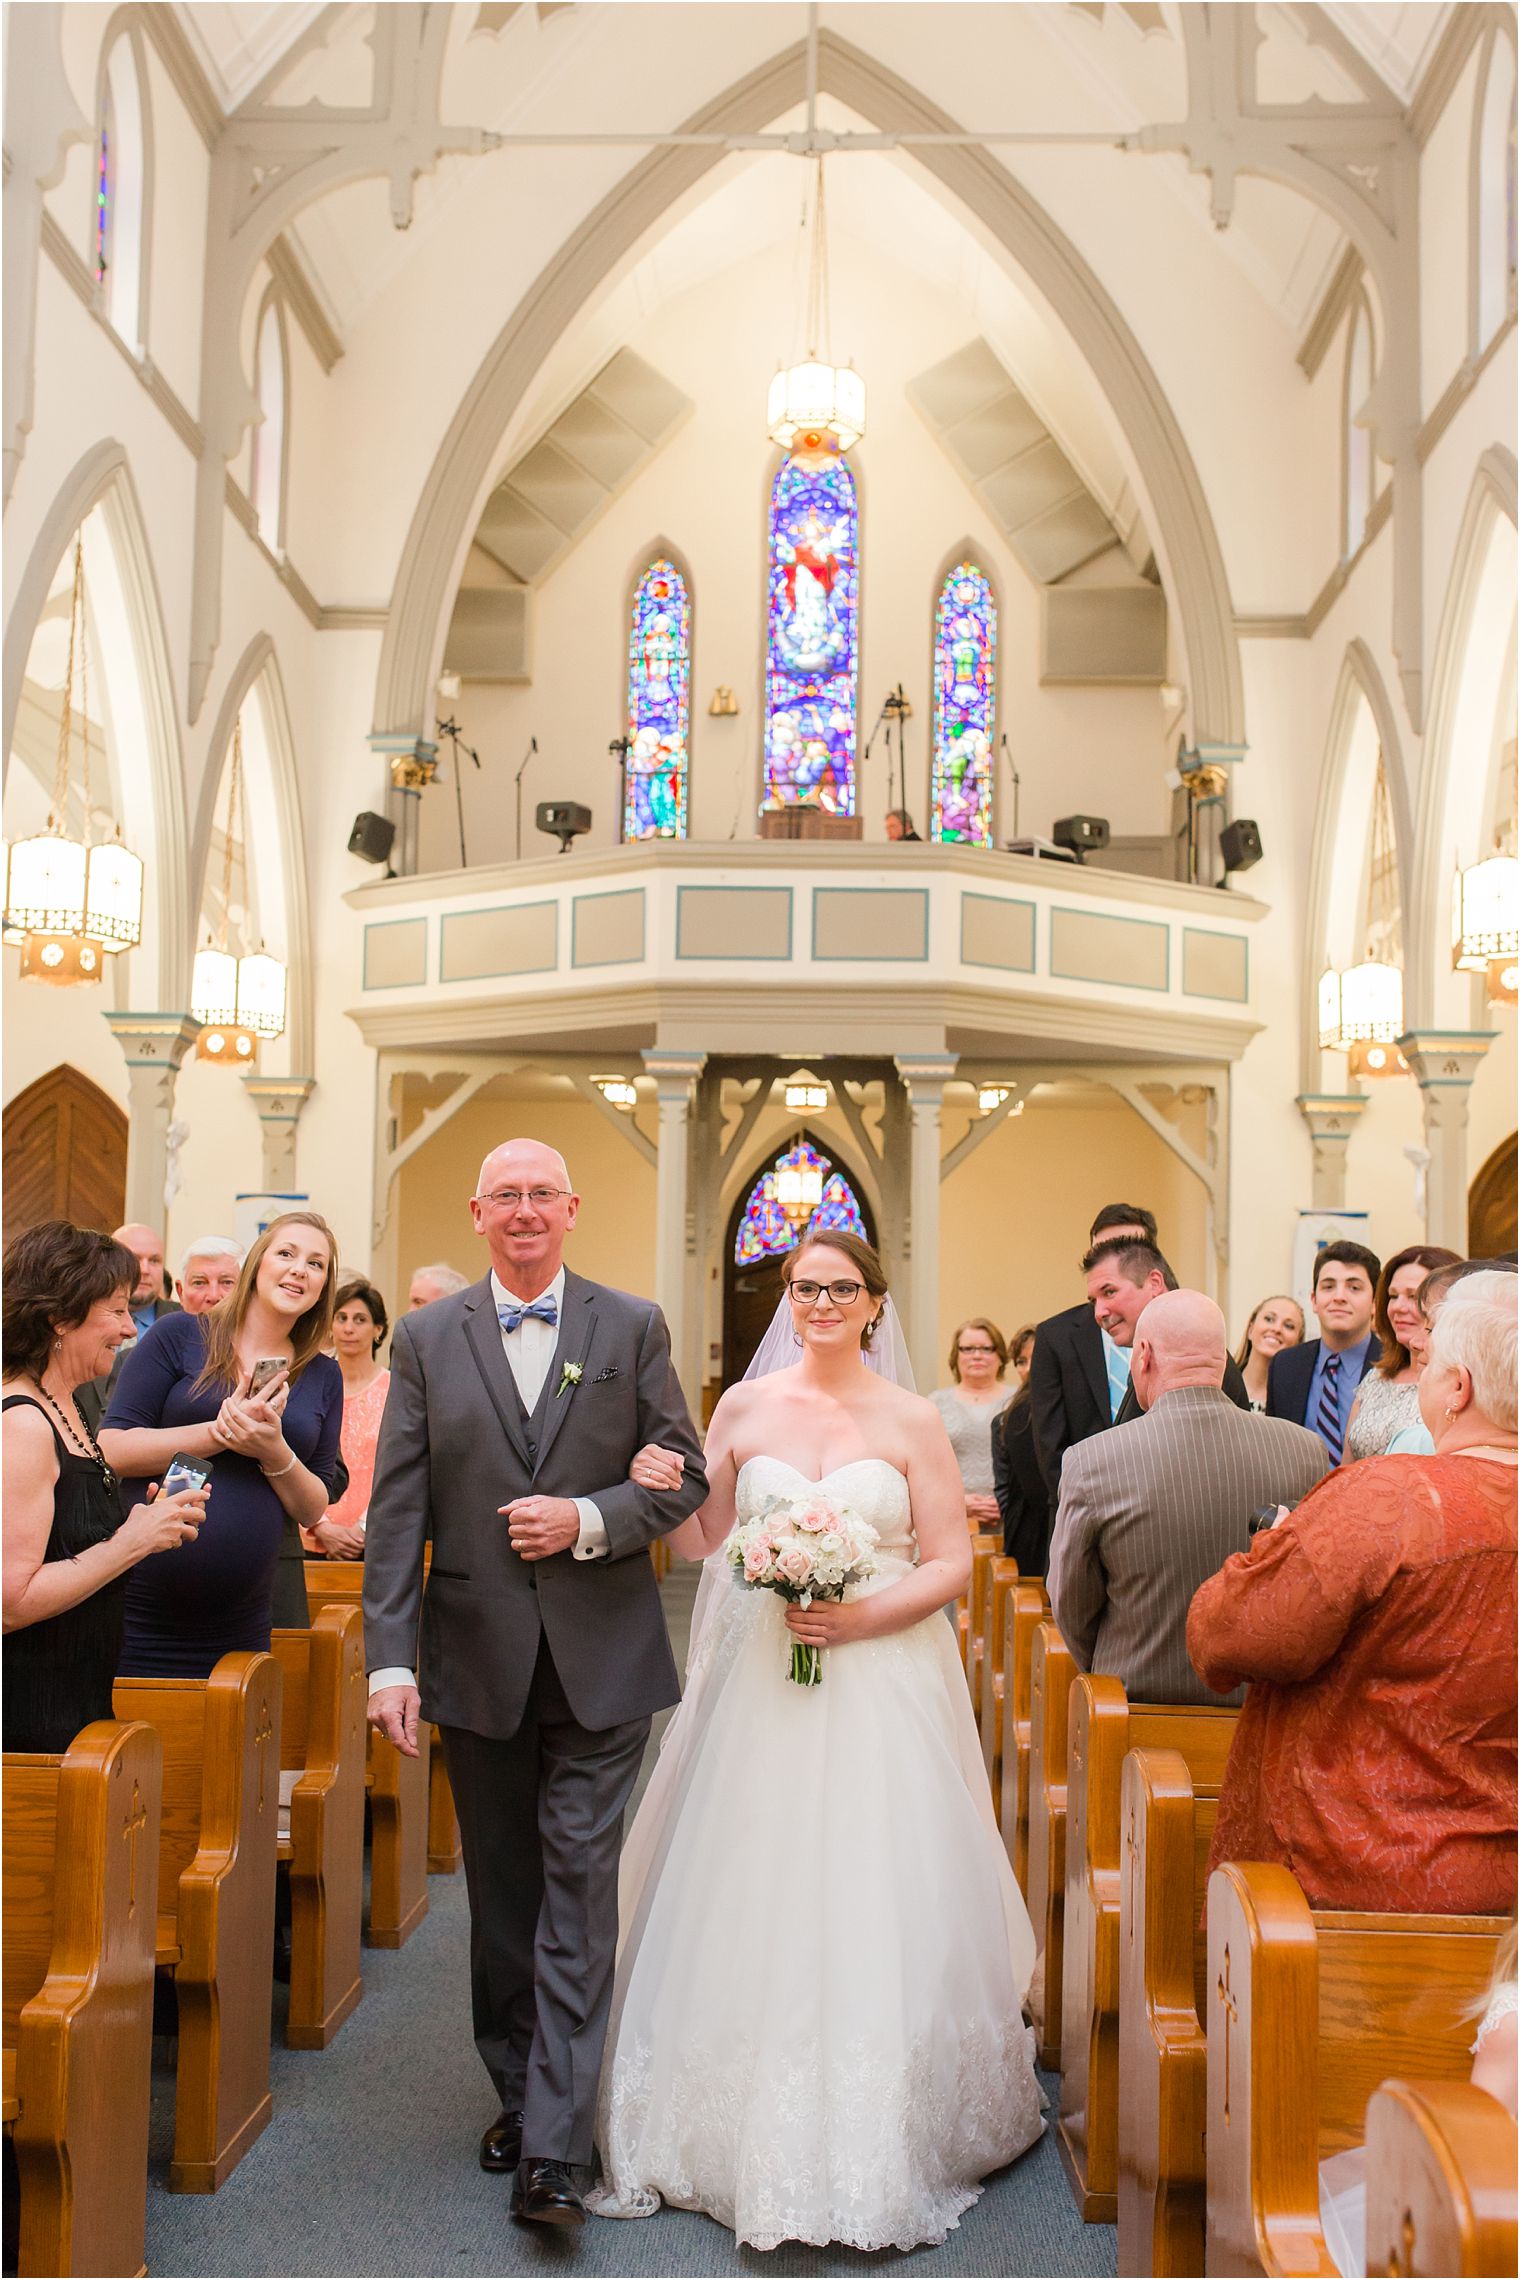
x=659, y=705
x=103, y=175
x=812, y=632
x=965, y=707
x=777, y=1209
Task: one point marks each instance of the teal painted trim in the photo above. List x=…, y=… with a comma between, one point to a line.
x=768, y=957
x=497, y=973
x=388, y=926
x=613, y=894
x=1219, y=934
x=1110, y=918
x=1004, y=902
x=874, y=957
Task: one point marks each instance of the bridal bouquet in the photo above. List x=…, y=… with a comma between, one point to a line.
x=804, y=1548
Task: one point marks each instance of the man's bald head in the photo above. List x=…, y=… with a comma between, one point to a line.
x=148, y=1245
x=526, y=1233
x=1180, y=1339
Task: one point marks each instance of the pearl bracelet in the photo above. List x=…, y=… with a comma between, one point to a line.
x=284, y=1469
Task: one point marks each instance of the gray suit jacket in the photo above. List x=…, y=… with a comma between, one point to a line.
x=456, y=1443
x=1149, y=1511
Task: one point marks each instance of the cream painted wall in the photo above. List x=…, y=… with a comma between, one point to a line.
x=706, y=494
x=1445, y=227
x=613, y=1241
x=183, y=179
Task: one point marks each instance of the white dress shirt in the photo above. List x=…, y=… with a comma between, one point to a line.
x=530, y=1351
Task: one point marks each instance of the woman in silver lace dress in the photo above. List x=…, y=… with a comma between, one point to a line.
x=1389, y=1398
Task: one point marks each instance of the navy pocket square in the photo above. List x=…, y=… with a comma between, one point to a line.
x=603, y=1375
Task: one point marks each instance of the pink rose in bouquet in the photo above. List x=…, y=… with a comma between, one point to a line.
x=803, y=1548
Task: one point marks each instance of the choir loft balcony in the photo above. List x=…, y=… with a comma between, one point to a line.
x=837, y=948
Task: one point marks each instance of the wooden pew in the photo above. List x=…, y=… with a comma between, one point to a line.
x=322, y=1831
x=216, y=1877
x=1103, y=1726
x=1051, y=1681
x=1307, y=2016
x=81, y=1836
x=1003, y=1582
x=444, y=1851
x=1163, y=2051
x=1027, y=1609
x=985, y=1548
x=1440, y=2181
x=397, y=1787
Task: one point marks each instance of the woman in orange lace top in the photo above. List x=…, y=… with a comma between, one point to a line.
x=360, y=1327
x=1375, y=1756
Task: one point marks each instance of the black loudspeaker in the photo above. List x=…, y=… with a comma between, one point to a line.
x=373, y=837
x=1083, y=834
x=1240, y=844
x=565, y=819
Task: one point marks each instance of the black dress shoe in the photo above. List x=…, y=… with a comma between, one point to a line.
x=501, y=2147
x=547, y=2194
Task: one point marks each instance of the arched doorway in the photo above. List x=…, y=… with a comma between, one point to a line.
x=65, y=1155
x=1491, y=1205
x=760, y=1233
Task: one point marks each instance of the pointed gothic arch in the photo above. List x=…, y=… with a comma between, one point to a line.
x=751, y=1290
x=1167, y=481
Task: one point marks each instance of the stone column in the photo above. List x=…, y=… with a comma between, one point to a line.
x=155, y=1045
x=1444, y=1062
x=924, y=1077
x=675, y=1074
x=279, y=1101
x=1331, y=1118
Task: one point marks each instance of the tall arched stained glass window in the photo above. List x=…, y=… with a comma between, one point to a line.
x=659, y=705
x=812, y=637
x=965, y=707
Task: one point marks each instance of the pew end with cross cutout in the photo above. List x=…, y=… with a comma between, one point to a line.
x=986, y=1548
x=81, y=1839
x=321, y=1840
x=1308, y=2014
x=1104, y=1726
x=1051, y=1680
x=1003, y=1581
x=398, y=1789
x=1441, y=2160
x=216, y=1892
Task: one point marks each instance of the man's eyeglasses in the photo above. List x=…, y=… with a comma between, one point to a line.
x=508, y=1199
x=809, y=1293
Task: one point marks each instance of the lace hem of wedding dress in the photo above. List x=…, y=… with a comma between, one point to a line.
x=865, y=2147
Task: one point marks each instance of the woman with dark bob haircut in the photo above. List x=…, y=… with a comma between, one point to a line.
x=67, y=1546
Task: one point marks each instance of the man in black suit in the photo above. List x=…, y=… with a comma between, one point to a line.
x=1315, y=1384
x=1122, y=1279
x=1078, y=1381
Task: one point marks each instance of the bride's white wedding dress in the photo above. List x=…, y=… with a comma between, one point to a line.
x=817, y=2031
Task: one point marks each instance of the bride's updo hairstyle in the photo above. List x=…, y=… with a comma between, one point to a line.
x=862, y=1256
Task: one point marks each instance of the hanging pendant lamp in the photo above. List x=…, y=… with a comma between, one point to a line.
x=816, y=408
x=1361, y=1007
x=67, y=903
x=237, y=1000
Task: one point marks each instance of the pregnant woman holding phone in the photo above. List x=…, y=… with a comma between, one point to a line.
x=248, y=1392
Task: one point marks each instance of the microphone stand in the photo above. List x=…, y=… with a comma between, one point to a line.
x=896, y=708
x=1014, y=773
x=622, y=746
x=450, y=729
x=517, y=787
x=870, y=740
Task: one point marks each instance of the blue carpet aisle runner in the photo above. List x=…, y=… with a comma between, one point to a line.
x=368, y=2166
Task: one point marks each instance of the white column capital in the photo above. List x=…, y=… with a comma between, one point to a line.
x=675, y=1073
x=925, y=1075
x=1445, y=1058
x=1444, y=1063
x=155, y=1045
x=279, y=1101
x=154, y=1040
x=1331, y=1118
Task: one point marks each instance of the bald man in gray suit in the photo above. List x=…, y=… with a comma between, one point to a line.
x=1150, y=1510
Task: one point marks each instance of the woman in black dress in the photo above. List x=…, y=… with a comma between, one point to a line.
x=189, y=1386
x=67, y=1546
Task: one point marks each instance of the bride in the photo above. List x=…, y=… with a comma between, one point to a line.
x=817, y=2028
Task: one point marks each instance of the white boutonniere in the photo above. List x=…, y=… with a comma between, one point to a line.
x=570, y=1375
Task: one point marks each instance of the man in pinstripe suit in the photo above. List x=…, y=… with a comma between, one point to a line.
x=1151, y=1509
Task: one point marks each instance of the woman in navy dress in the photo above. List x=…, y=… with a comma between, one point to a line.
x=187, y=1388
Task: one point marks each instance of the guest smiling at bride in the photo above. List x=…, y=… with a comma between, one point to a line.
x=817, y=2028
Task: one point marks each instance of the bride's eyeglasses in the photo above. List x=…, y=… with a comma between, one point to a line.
x=809, y=1293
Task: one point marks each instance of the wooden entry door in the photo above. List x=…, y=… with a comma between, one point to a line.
x=1491, y=1205
x=65, y=1155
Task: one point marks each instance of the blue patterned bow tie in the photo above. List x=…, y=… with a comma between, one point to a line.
x=541, y=1310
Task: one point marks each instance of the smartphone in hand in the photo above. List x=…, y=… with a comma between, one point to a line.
x=262, y=1373
x=186, y=1472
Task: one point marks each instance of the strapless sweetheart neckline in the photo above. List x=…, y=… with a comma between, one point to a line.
x=852, y=1465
